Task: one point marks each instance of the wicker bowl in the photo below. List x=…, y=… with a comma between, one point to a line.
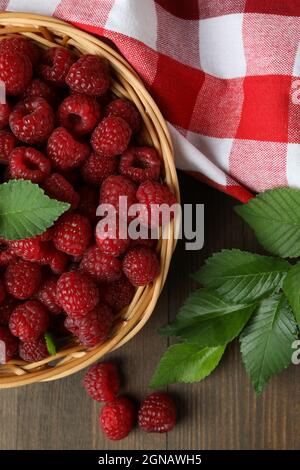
x=71, y=357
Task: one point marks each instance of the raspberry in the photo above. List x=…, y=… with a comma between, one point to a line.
x=72, y=234
x=56, y=63
x=110, y=242
x=29, y=164
x=152, y=195
x=99, y=266
x=79, y=114
x=21, y=45
x=71, y=324
x=6, y=309
x=57, y=187
x=117, y=418
x=148, y=242
x=97, y=168
x=4, y=114
x=125, y=110
x=22, y=278
x=111, y=137
x=140, y=164
x=89, y=75
x=64, y=151
x=8, y=345
x=29, y=320
x=37, y=88
x=117, y=294
x=57, y=260
x=76, y=293
x=15, y=72
x=7, y=144
x=95, y=327
x=6, y=253
x=140, y=265
x=2, y=292
x=47, y=295
x=157, y=413
x=115, y=186
x=33, y=351
x=88, y=203
x=30, y=249
x=32, y=120
x=102, y=381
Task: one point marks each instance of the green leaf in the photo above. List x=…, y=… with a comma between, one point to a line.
x=25, y=210
x=291, y=288
x=50, y=343
x=187, y=363
x=208, y=320
x=266, y=342
x=275, y=217
x=240, y=276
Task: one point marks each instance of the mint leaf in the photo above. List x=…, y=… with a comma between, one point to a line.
x=25, y=210
x=208, y=320
x=185, y=362
x=50, y=343
x=266, y=343
x=275, y=217
x=240, y=276
x=291, y=288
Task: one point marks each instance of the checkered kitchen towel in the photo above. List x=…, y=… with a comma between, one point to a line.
x=223, y=73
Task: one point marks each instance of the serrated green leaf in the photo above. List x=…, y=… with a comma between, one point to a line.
x=208, y=320
x=187, y=363
x=275, y=217
x=266, y=342
x=50, y=343
x=25, y=210
x=240, y=276
x=291, y=288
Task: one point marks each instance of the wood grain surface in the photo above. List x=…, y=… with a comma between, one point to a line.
x=221, y=412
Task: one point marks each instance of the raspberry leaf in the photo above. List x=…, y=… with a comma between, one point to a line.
x=50, y=343
x=25, y=210
x=187, y=363
x=291, y=289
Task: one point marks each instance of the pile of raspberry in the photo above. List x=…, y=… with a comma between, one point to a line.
x=63, y=129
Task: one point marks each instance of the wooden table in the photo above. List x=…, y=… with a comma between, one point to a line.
x=222, y=412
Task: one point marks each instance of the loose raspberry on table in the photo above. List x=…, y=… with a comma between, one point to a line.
x=56, y=63
x=115, y=186
x=79, y=114
x=152, y=194
x=76, y=293
x=102, y=381
x=111, y=137
x=117, y=418
x=4, y=114
x=140, y=164
x=157, y=413
x=64, y=151
x=125, y=110
x=30, y=249
x=22, y=278
x=15, y=72
x=140, y=265
x=89, y=76
x=57, y=187
x=29, y=320
x=88, y=202
x=97, y=168
x=21, y=45
x=6, y=308
x=109, y=240
x=32, y=120
x=47, y=295
x=29, y=164
x=100, y=266
x=8, y=345
x=94, y=328
x=37, y=88
x=117, y=294
x=33, y=351
x=7, y=144
x=72, y=234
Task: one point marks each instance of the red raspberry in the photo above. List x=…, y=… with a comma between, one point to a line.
x=95, y=327
x=28, y=163
x=117, y=294
x=99, y=266
x=47, y=295
x=2, y=292
x=111, y=137
x=72, y=234
x=4, y=114
x=79, y=114
x=157, y=413
x=15, y=72
x=125, y=110
x=29, y=320
x=8, y=345
x=115, y=186
x=33, y=351
x=117, y=418
x=21, y=45
x=57, y=260
x=88, y=203
x=6, y=253
x=6, y=309
x=32, y=120
x=140, y=265
x=108, y=238
x=64, y=151
x=148, y=242
x=89, y=75
x=77, y=294
x=56, y=63
x=30, y=249
x=71, y=324
x=102, y=381
x=152, y=195
x=7, y=144
x=97, y=168
x=140, y=164
x=22, y=278
x=37, y=88
x=57, y=187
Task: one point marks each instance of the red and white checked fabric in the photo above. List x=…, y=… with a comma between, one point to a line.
x=223, y=72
